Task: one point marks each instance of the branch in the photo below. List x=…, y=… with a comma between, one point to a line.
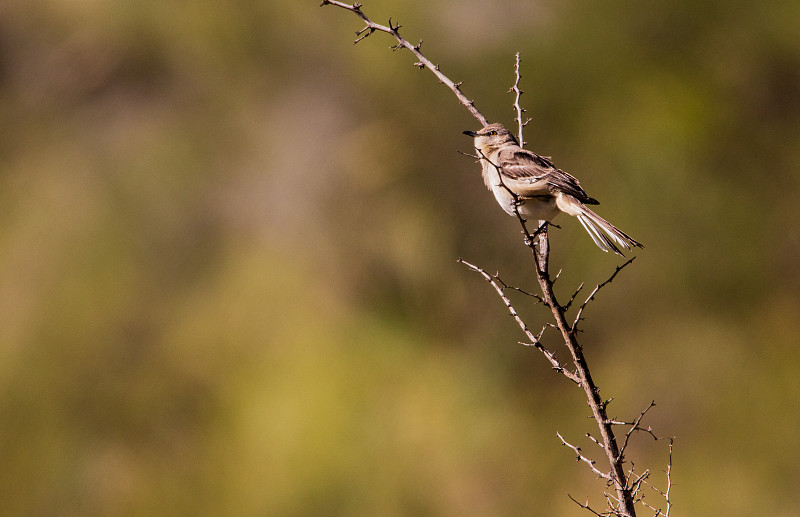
x=665, y=494
x=623, y=503
x=586, y=506
x=572, y=298
x=581, y=457
x=423, y=62
x=574, y=326
x=539, y=245
x=500, y=287
x=617, y=476
x=635, y=427
x=519, y=110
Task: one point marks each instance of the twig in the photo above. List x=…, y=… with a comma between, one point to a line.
x=423, y=62
x=581, y=457
x=634, y=426
x=517, y=108
x=665, y=494
x=594, y=292
x=500, y=287
x=586, y=506
x=572, y=298
x=669, y=480
x=637, y=481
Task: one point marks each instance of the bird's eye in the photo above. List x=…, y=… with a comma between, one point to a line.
x=492, y=133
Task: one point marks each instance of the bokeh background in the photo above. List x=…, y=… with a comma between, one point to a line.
x=228, y=243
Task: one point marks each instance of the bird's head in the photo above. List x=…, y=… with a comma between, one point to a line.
x=491, y=138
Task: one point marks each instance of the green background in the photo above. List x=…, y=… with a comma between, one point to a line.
x=228, y=243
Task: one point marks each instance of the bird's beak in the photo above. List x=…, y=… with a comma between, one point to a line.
x=471, y=133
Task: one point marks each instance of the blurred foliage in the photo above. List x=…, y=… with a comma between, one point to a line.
x=228, y=252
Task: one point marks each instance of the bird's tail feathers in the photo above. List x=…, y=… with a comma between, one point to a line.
x=605, y=235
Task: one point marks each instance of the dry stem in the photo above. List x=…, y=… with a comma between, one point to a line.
x=422, y=61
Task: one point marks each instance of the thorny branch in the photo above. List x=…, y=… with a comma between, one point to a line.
x=539, y=245
x=586, y=506
x=665, y=494
x=500, y=287
x=517, y=107
x=581, y=457
x=635, y=426
x=627, y=485
x=574, y=326
x=422, y=61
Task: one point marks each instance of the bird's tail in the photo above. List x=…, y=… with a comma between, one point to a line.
x=604, y=234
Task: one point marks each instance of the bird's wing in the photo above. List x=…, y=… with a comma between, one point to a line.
x=529, y=174
x=519, y=164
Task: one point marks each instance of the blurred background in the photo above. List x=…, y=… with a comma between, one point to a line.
x=228, y=243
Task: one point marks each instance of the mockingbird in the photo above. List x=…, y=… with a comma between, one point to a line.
x=524, y=182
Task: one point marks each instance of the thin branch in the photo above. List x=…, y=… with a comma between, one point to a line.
x=595, y=441
x=519, y=290
x=500, y=287
x=422, y=61
x=634, y=426
x=665, y=494
x=669, y=480
x=594, y=292
x=517, y=108
x=586, y=506
x=571, y=298
x=637, y=481
x=581, y=457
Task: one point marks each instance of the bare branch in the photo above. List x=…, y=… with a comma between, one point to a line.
x=422, y=61
x=571, y=298
x=669, y=480
x=635, y=482
x=595, y=441
x=519, y=109
x=594, y=292
x=581, y=457
x=500, y=287
x=586, y=506
x=634, y=426
x=665, y=494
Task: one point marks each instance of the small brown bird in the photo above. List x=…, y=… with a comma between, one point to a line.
x=540, y=190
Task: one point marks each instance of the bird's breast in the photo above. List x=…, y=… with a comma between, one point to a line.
x=540, y=207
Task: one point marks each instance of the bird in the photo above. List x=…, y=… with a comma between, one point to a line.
x=530, y=186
